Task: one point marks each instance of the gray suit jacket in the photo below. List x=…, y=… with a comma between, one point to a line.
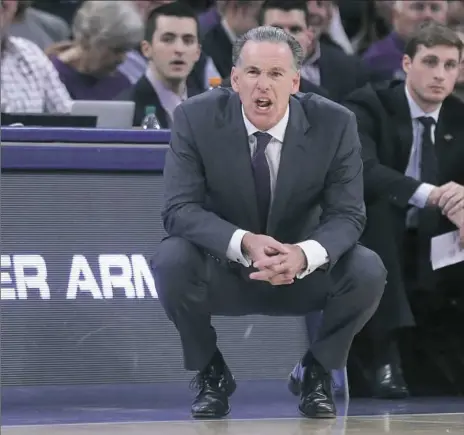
x=209, y=189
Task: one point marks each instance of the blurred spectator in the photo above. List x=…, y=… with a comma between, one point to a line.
x=406, y=128
x=384, y=57
x=135, y=63
x=29, y=82
x=42, y=28
x=363, y=23
x=384, y=10
x=208, y=19
x=237, y=17
x=459, y=88
x=456, y=12
x=171, y=43
x=104, y=31
x=325, y=65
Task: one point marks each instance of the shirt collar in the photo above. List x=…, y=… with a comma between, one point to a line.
x=277, y=132
x=416, y=111
x=159, y=87
x=314, y=58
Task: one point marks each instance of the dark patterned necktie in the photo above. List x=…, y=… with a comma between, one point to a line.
x=429, y=166
x=262, y=177
x=428, y=217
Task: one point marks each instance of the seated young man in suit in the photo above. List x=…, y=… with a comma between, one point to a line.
x=412, y=136
x=172, y=47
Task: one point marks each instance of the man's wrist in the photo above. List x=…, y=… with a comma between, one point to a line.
x=244, y=244
x=304, y=260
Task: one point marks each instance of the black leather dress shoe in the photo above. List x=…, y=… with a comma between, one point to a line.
x=316, y=399
x=389, y=383
x=215, y=384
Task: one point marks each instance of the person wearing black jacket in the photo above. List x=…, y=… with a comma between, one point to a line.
x=412, y=134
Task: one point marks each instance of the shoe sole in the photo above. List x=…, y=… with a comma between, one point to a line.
x=200, y=416
x=321, y=416
x=391, y=396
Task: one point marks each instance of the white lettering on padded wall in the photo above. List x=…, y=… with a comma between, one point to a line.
x=117, y=274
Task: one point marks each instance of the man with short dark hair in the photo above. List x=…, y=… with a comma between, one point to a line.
x=412, y=136
x=172, y=47
x=246, y=177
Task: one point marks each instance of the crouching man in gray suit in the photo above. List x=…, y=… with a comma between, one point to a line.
x=245, y=177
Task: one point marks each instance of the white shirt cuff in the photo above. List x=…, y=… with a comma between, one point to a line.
x=421, y=195
x=316, y=256
x=234, y=250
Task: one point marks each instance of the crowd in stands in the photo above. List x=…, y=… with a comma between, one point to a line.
x=358, y=53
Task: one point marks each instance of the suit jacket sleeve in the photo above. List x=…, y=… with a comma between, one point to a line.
x=184, y=213
x=380, y=181
x=343, y=212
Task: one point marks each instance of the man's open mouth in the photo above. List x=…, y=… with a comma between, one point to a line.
x=263, y=103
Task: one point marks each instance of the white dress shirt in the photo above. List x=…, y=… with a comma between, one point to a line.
x=316, y=255
x=420, y=196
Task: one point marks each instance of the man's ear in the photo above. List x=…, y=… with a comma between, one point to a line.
x=145, y=48
x=234, y=79
x=406, y=63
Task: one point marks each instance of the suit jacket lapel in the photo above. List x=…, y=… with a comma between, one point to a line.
x=293, y=152
x=236, y=158
x=145, y=95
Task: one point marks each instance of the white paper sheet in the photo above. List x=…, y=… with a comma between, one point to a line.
x=446, y=250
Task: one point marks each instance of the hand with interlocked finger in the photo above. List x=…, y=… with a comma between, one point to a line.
x=458, y=220
x=281, y=268
x=449, y=198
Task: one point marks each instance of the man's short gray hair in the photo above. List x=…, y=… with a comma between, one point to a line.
x=115, y=24
x=269, y=34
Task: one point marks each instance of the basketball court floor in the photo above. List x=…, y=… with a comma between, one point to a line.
x=258, y=408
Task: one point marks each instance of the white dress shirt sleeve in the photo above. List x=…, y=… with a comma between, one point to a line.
x=316, y=256
x=421, y=195
x=234, y=250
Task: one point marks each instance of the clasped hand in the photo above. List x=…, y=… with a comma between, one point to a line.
x=277, y=263
x=450, y=199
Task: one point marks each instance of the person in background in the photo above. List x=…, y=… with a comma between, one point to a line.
x=29, y=82
x=459, y=88
x=384, y=58
x=237, y=17
x=412, y=134
x=104, y=31
x=135, y=63
x=42, y=28
x=456, y=12
x=172, y=47
x=209, y=18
